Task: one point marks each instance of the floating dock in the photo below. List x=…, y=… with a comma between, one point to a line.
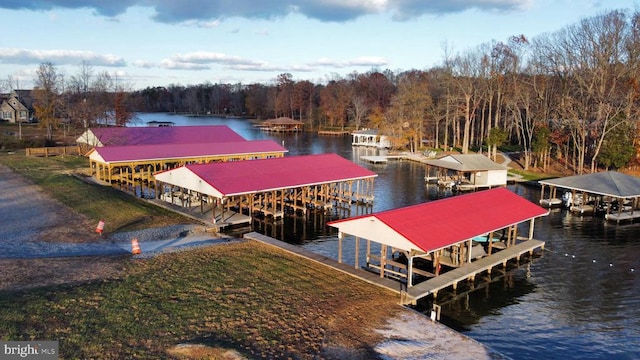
x=623, y=216
x=379, y=159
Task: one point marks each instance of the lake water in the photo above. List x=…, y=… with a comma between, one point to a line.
x=580, y=300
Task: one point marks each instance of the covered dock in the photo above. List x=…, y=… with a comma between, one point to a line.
x=614, y=194
x=460, y=236
x=133, y=166
x=370, y=137
x=121, y=136
x=268, y=187
x=464, y=172
x=281, y=124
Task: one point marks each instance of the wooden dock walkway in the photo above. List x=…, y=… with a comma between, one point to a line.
x=333, y=133
x=469, y=271
x=372, y=278
x=624, y=216
x=379, y=159
x=412, y=295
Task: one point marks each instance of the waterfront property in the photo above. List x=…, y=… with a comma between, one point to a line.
x=281, y=124
x=160, y=135
x=614, y=194
x=437, y=244
x=237, y=191
x=370, y=137
x=465, y=172
x=17, y=106
x=132, y=166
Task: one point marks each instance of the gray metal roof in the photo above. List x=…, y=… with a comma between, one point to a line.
x=366, y=132
x=610, y=183
x=466, y=162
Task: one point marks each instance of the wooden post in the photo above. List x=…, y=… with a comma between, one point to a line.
x=409, y=271
x=383, y=259
x=357, y=251
x=340, y=235
x=368, y=252
x=214, y=204
x=490, y=239
x=531, y=224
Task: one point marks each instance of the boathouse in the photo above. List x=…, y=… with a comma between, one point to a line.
x=119, y=136
x=466, y=172
x=132, y=166
x=237, y=191
x=439, y=243
x=370, y=137
x=614, y=194
x=281, y=124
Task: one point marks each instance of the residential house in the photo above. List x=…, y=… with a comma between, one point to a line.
x=17, y=106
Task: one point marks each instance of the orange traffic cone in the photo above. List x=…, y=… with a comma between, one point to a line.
x=135, y=247
x=100, y=227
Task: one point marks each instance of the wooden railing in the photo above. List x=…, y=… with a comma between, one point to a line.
x=53, y=151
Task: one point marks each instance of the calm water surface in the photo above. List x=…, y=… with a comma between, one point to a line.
x=580, y=300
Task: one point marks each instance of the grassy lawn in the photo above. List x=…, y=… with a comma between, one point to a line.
x=243, y=295
x=532, y=176
x=119, y=210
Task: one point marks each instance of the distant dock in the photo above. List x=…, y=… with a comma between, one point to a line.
x=332, y=133
x=380, y=159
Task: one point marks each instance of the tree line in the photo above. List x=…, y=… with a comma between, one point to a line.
x=571, y=95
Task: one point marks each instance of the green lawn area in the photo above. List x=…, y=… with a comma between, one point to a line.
x=119, y=210
x=244, y=295
x=240, y=295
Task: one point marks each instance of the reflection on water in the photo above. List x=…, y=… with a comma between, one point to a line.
x=580, y=300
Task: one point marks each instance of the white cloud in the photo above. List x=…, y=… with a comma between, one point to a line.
x=58, y=57
x=144, y=64
x=359, y=61
x=201, y=24
x=177, y=65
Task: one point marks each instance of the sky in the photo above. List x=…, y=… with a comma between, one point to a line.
x=148, y=43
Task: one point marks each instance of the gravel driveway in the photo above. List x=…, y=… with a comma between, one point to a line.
x=32, y=225
x=43, y=242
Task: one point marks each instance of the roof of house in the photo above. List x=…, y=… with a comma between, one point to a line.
x=254, y=176
x=439, y=224
x=610, y=183
x=115, y=154
x=465, y=162
x=109, y=136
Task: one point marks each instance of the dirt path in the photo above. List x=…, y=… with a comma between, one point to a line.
x=43, y=242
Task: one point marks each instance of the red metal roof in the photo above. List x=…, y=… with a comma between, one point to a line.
x=110, y=136
x=442, y=223
x=240, y=177
x=112, y=154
